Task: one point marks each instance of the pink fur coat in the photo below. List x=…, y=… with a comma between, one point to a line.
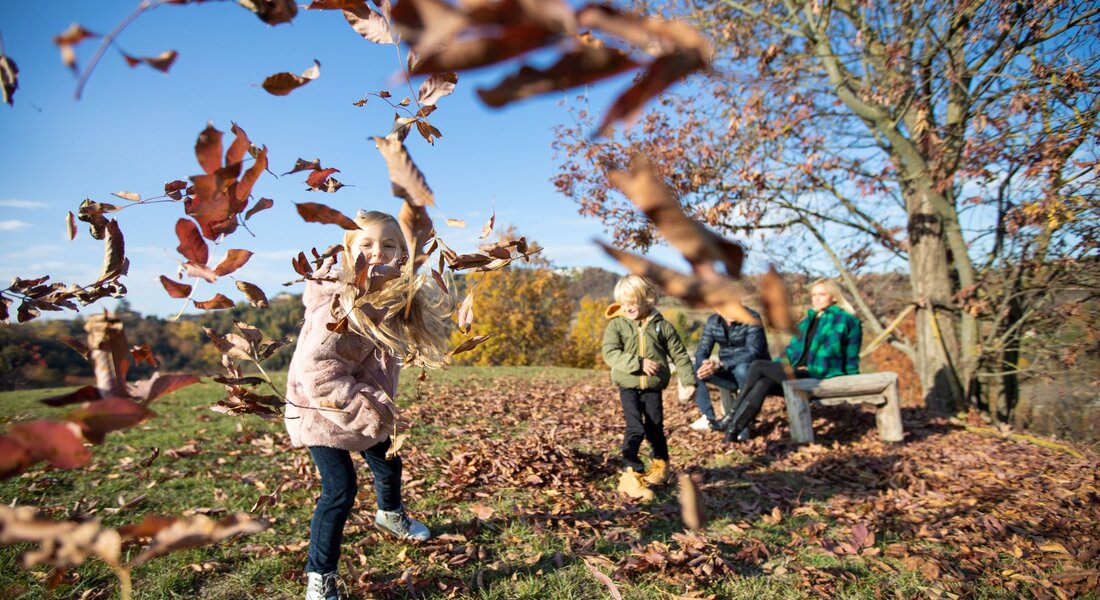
x=344, y=382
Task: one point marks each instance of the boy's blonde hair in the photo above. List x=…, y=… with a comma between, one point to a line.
x=412, y=315
x=636, y=290
x=833, y=289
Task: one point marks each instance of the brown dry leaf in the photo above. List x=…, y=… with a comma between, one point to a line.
x=407, y=179
x=612, y=589
x=255, y=295
x=395, y=446
x=466, y=313
x=580, y=67
x=482, y=512
x=721, y=294
x=218, y=302
x=70, y=226
x=692, y=509
x=487, y=228
x=9, y=79
x=131, y=196
x=161, y=62
x=470, y=344
x=497, y=45
x=436, y=86
x=200, y=271
x=115, y=262
x=81, y=394
x=317, y=179
x=699, y=245
x=777, y=301
x=62, y=544
x=313, y=212
x=305, y=165
x=664, y=72
x=234, y=259
x=198, y=530
x=69, y=38
x=456, y=223
x=281, y=84
x=100, y=417
x=368, y=23
x=272, y=12
x=60, y=444
x=261, y=205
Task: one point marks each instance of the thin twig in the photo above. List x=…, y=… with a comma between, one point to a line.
x=108, y=39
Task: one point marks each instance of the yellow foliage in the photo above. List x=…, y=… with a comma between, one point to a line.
x=527, y=312
x=586, y=335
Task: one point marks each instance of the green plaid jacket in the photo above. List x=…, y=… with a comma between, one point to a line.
x=834, y=349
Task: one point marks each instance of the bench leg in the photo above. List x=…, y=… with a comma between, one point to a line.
x=798, y=413
x=726, y=397
x=888, y=416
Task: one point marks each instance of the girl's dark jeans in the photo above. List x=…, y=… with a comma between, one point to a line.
x=764, y=379
x=338, y=491
x=645, y=418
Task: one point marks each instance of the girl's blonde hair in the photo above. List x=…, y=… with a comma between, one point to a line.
x=412, y=313
x=638, y=290
x=833, y=289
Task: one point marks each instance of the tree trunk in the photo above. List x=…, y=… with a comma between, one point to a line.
x=930, y=278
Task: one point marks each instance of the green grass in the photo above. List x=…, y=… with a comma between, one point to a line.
x=523, y=550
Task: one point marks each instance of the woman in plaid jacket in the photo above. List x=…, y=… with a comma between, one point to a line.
x=827, y=345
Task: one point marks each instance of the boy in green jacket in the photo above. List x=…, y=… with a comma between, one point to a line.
x=637, y=344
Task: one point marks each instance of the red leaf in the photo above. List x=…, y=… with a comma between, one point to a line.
x=316, y=179
x=251, y=176
x=144, y=354
x=208, y=149
x=218, y=302
x=57, y=443
x=239, y=147
x=417, y=227
x=174, y=288
x=261, y=205
x=234, y=259
x=192, y=246
x=281, y=84
x=14, y=458
x=313, y=212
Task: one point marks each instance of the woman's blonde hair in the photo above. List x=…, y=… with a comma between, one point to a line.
x=638, y=290
x=411, y=314
x=833, y=289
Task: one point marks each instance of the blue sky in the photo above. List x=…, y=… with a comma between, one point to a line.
x=135, y=129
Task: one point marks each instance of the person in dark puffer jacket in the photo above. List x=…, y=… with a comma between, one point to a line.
x=827, y=345
x=738, y=345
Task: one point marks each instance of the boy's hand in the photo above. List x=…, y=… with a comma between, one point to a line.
x=706, y=369
x=650, y=367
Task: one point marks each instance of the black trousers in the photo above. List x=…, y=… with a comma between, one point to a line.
x=645, y=418
x=764, y=379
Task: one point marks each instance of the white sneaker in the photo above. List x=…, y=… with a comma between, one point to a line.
x=701, y=424
x=323, y=586
x=403, y=526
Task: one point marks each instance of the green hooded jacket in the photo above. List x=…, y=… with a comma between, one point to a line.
x=626, y=342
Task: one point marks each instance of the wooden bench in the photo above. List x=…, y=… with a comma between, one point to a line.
x=878, y=389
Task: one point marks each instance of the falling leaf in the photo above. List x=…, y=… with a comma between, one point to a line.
x=234, y=259
x=144, y=354
x=436, y=86
x=312, y=212
x=261, y=205
x=161, y=62
x=305, y=165
x=470, y=344
x=115, y=262
x=81, y=394
x=466, y=313
x=581, y=67
x=272, y=12
x=417, y=228
x=218, y=302
x=174, y=189
x=69, y=38
x=98, y=418
x=59, y=444
x=456, y=223
x=201, y=271
x=775, y=298
x=281, y=84
x=488, y=227
x=255, y=295
x=691, y=503
x=316, y=179
x=395, y=446
x=369, y=24
x=408, y=182
x=196, y=531
x=162, y=385
x=70, y=226
x=192, y=246
x=9, y=79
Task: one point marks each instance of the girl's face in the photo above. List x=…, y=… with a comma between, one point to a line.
x=379, y=243
x=820, y=298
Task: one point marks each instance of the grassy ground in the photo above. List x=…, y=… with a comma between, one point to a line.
x=514, y=471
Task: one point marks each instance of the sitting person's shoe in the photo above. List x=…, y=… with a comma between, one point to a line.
x=401, y=525
x=744, y=435
x=323, y=586
x=658, y=473
x=714, y=424
x=701, y=424
x=633, y=484
x=725, y=422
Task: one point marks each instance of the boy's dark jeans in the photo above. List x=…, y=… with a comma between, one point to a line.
x=338, y=491
x=645, y=418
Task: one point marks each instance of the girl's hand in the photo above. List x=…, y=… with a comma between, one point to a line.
x=650, y=367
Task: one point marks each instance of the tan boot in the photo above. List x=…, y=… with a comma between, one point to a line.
x=658, y=473
x=633, y=484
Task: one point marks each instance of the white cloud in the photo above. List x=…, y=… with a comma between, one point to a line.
x=12, y=224
x=22, y=204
